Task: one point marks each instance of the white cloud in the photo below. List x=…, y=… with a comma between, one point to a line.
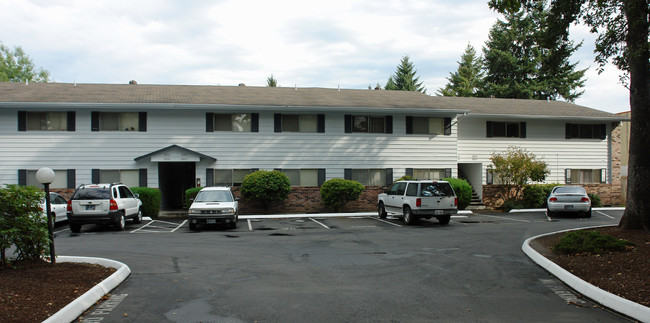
x=351, y=44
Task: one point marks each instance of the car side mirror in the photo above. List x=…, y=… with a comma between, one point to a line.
x=137, y=196
x=236, y=199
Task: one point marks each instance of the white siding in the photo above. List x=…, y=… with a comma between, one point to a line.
x=333, y=150
x=544, y=138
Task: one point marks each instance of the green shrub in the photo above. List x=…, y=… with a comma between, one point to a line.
x=337, y=192
x=150, y=198
x=463, y=191
x=266, y=187
x=190, y=194
x=22, y=223
x=595, y=200
x=535, y=195
x=589, y=241
x=404, y=178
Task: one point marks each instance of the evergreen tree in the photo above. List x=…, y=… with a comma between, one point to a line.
x=523, y=62
x=16, y=66
x=467, y=81
x=404, y=78
x=271, y=81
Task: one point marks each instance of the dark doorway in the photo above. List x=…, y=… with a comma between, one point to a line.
x=174, y=179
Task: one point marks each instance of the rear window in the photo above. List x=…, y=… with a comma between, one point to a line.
x=436, y=189
x=570, y=190
x=92, y=194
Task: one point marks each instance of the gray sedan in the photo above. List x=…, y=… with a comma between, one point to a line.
x=569, y=199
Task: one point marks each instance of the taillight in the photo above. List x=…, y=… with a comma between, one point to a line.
x=584, y=199
x=553, y=199
x=113, y=206
x=418, y=202
x=456, y=201
x=69, y=206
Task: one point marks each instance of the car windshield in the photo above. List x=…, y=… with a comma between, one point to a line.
x=92, y=194
x=213, y=196
x=569, y=190
x=436, y=189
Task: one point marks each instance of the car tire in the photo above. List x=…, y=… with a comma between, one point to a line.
x=381, y=211
x=549, y=213
x=121, y=222
x=444, y=219
x=233, y=225
x=75, y=227
x=192, y=226
x=588, y=214
x=138, y=217
x=409, y=218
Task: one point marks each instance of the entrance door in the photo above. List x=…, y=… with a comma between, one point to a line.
x=174, y=179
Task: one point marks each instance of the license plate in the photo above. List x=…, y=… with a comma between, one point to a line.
x=90, y=207
x=568, y=207
x=211, y=221
x=438, y=212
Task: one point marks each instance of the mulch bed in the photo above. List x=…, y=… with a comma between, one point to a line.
x=624, y=273
x=33, y=291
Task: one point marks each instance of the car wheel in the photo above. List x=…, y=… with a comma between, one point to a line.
x=121, y=222
x=53, y=220
x=138, y=217
x=588, y=214
x=233, y=225
x=549, y=213
x=381, y=211
x=192, y=226
x=409, y=218
x=444, y=219
x=75, y=227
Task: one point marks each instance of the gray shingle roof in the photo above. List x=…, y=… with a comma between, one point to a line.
x=282, y=96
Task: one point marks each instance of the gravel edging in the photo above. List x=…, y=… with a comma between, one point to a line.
x=71, y=311
x=602, y=297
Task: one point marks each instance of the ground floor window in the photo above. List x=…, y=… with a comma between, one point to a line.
x=60, y=179
x=302, y=177
x=230, y=177
x=128, y=177
x=428, y=173
x=585, y=176
x=369, y=177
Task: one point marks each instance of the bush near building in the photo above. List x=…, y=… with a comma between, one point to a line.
x=336, y=192
x=150, y=198
x=266, y=188
x=463, y=191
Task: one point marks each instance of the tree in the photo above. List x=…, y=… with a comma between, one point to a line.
x=515, y=168
x=266, y=187
x=522, y=62
x=271, y=81
x=623, y=29
x=16, y=66
x=467, y=81
x=404, y=78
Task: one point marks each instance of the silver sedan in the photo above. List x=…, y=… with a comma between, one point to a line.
x=569, y=199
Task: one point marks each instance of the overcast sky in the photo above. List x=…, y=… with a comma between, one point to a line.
x=334, y=43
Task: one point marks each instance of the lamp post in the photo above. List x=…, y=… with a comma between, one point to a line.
x=45, y=176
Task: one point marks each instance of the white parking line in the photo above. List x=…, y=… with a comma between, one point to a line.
x=382, y=220
x=64, y=230
x=607, y=215
x=179, y=226
x=142, y=227
x=250, y=226
x=501, y=217
x=326, y=227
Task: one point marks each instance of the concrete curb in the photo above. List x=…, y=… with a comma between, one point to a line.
x=320, y=215
x=609, y=300
x=71, y=311
x=544, y=210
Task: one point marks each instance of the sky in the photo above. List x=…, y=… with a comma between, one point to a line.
x=343, y=44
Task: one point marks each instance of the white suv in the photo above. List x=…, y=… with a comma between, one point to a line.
x=413, y=200
x=103, y=204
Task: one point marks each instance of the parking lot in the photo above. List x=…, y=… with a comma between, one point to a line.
x=324, y=268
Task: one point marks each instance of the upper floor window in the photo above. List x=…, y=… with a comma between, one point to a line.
x=118, y=121
x=506, y=129
x=368, y=124
x=235, y=122
x=428, y=126
x=46, y=121
x=299, y=123
x=586, y=131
